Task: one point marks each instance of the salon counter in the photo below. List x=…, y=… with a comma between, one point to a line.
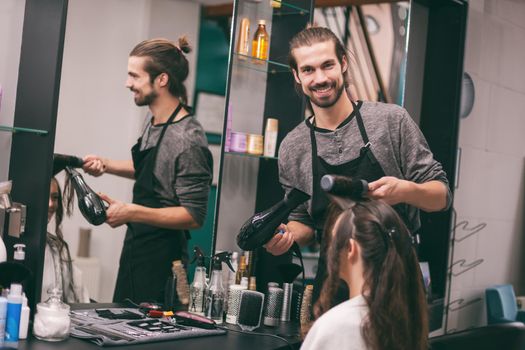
x=231, y=340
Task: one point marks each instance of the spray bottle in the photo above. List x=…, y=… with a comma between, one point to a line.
x=215, y=293
x=198, y=286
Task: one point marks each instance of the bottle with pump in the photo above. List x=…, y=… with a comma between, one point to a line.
x=260, y=42
x=198, y=286
x=215, y=293
x=19, y=254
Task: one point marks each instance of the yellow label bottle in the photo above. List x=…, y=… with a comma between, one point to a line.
x=260, y=42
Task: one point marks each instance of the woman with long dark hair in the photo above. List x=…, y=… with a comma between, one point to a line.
x=371, y=250
x=59, y=271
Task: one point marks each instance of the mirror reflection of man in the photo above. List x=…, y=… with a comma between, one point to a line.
x=367, y=140
x=172, y=169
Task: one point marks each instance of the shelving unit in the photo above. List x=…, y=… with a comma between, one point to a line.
x=255, y=91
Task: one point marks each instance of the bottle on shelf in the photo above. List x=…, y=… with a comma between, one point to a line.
x=260, y=42
x=276, y=4
x=243, y=43
x=270, y=137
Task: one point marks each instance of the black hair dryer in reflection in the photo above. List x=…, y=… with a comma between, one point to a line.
x=260, y=228
x=89, y=203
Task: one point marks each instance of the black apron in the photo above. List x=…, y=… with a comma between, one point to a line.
x=148, y=251
x=364, y=167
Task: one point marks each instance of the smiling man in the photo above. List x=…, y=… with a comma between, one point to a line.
x=172, y=169
x=377, y=142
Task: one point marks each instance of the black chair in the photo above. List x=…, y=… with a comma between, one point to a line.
x=503, y=336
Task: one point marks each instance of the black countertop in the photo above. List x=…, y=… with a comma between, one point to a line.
x=232, y=340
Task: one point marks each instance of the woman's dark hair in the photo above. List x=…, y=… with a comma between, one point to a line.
x=57, y=241
x=393, y=285
x=166, y=57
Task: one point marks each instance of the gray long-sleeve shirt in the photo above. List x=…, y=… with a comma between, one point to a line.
x=184, y=165
x=395, y=140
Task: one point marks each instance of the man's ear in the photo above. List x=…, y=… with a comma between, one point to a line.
x=296, y=76
x=163, y=79
x=344, y=64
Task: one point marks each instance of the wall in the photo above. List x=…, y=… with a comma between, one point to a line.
x=11, y=22
x=489, y=241
x=97, y=114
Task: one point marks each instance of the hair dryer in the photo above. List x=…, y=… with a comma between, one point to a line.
x=89, y=203
x=260, y=228
x=61, y=161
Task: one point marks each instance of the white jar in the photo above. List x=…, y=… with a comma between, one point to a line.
x=52, y=319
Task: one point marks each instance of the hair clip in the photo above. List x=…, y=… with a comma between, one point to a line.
x=391, y=233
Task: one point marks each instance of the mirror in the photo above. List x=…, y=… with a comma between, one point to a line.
x=97, y=114
x=11, y=23
x=248, y=184
x=378, y=72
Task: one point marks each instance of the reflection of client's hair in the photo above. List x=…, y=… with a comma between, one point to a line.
x=393, y=288
x=57, y=243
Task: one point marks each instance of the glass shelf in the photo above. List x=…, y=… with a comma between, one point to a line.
x=249, y=155
x=265, y=66
x=285, y=5
x=15, y=129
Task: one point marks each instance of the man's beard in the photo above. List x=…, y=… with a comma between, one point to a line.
x=327, y=103
x=146, y=100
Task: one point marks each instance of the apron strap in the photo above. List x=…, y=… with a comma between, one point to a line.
x=164, y=128
x=360, y=123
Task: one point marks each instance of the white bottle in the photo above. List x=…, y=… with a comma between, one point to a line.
x=14, y=307
x=24, y=319
x=270, y=137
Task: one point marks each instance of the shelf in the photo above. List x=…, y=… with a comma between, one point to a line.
x=15, y=129
x=298, y=10
x=249, y=155
x=265, y=66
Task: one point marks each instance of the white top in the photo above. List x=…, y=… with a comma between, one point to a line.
x=339, y=327
x=54, y=273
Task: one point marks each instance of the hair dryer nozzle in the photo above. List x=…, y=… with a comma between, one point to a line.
x=61, y=161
